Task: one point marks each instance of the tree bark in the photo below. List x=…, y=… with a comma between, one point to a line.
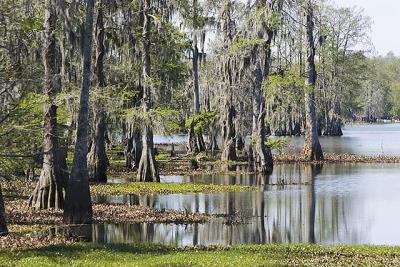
x=3, y=221
x=229, y=112
x=229, y=133
x=262, y=156
x=97, y=157
x=65, y=51
x=196, y=142
x=49, y=191
x=78, y=204
x=262, y=153
x=335, y=122
x=148, y=169
x=312, y=147
x=134, y=148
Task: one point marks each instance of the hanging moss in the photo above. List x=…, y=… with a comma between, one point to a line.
x=202, y=121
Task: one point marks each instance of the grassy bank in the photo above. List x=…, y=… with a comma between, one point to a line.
x=164, y=188
x=157, y=255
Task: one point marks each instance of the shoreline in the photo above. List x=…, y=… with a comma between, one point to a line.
x=28, y=228
x=86, y=254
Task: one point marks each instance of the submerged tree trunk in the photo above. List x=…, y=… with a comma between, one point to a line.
x=148, y=169
x=335, y=122
x=196, y=142
x=312, y=147
x=97, y=157
x=49, y=191
x=262, y=156
x=261, y=152
x=78, y=204
x=3, y=221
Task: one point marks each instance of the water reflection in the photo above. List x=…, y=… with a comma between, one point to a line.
x=289, y=216
x=330, y=204
x=333, y=204
x=371, y=139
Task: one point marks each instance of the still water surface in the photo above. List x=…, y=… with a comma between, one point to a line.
x=370, y=139
x=329, y=204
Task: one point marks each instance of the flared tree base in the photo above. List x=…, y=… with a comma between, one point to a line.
x=47, y=193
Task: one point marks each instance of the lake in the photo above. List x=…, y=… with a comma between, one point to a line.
x=329, y=204
x=366, y=139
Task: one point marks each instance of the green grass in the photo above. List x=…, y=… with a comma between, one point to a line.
x=158, y=255
x=165, y=188
x=163, y=156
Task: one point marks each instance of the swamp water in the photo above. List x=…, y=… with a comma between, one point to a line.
x=343, y=203
x=366, y=139
x=298, y=203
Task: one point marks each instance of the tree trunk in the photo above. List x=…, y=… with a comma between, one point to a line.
x=49, y=191
x=65, y=51
x=196, y=142
x=229, y=112
x=97, y=157
x=335, y=122
x=148, y=169
x=263, y=162
x=229, y=145
x=262, y=155
x=312, y=147
x=78, y=204
x=240, y=141
x=3, y=221
x=134, y=148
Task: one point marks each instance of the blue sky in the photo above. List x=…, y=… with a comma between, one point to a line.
x=385, y=15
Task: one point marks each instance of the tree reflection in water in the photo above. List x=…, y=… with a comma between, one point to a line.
x=286, y=209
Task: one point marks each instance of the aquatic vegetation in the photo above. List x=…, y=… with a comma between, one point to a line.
x=165, y=188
